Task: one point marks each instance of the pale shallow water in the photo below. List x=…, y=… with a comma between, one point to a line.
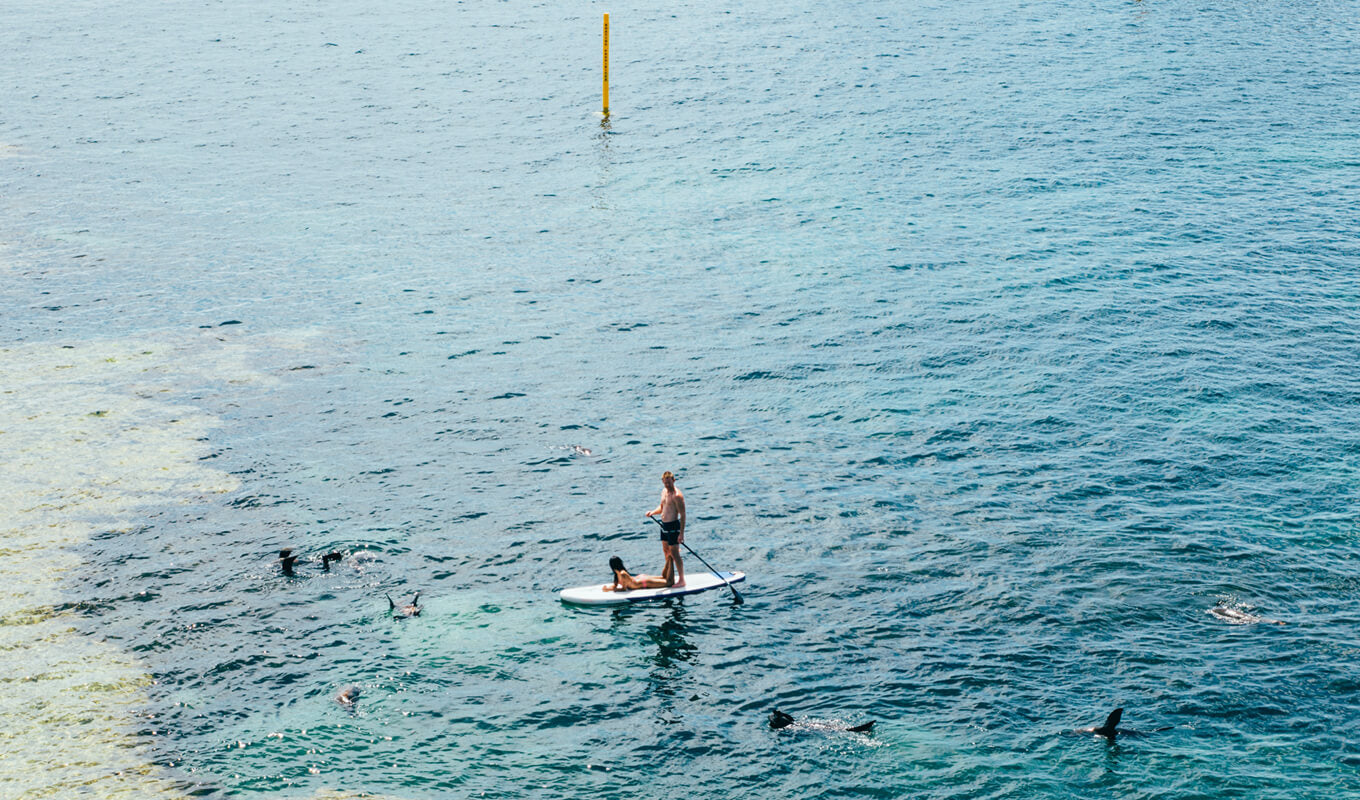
x=997, y=343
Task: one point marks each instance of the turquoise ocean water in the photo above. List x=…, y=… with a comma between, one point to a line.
x=999, y=343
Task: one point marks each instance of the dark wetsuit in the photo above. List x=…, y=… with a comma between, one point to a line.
x=670, y=532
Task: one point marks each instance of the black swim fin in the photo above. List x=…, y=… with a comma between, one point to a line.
x=1110, y=728
x=867, y=727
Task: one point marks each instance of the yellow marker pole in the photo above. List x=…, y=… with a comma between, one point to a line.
x=606, y=63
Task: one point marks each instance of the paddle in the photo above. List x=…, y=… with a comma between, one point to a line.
x=735, y=596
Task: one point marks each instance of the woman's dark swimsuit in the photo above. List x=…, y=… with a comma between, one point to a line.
x=670, y=532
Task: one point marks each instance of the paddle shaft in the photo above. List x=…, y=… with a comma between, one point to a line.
x=726, y=583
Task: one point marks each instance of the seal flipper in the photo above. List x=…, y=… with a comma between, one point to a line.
x=867, y=727
x=1110, y=729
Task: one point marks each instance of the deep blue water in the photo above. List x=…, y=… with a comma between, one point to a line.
x=996, y=342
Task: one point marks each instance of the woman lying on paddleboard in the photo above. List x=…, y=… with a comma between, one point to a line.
x=623, y=582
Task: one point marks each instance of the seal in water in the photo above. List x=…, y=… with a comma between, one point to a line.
x=779, y=720
x=404, y=612
x=1111, y=728
x=348, y=696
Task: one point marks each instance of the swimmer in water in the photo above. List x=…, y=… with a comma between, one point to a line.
x=348, y=696
x=288, y=561
x=1111, y=730
x=1238, y=615
x=779, y=720
x=623, y=582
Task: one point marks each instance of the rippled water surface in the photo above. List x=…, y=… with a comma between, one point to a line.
x=1009, y=348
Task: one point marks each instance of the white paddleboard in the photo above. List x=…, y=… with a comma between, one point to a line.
x=595, y=595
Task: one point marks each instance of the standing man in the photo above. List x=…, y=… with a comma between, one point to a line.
x=672, y=511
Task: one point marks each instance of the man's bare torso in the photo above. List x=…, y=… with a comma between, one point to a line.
x=670, y=505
